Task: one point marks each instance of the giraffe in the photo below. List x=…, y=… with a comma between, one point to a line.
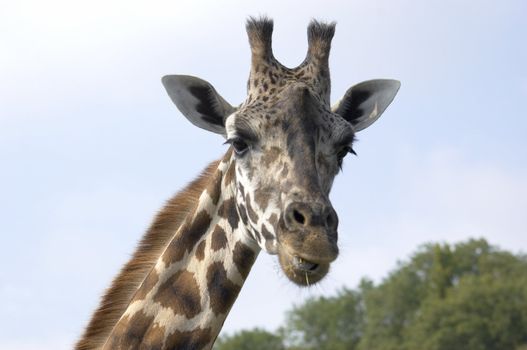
x=270, y=191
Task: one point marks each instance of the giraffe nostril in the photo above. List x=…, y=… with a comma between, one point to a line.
x=299, y=217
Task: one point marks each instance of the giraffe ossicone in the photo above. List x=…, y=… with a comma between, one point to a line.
x=269, y=192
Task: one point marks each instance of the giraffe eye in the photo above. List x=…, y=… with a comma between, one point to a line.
x=343, y=153
x=240, y=146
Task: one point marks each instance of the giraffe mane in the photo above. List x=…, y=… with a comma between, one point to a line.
x=151, y=246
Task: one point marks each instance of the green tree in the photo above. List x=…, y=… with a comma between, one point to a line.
x=486, y=308
x=471, y=296
x=334, y=323
x=393, y=305
x=255, y=339
x=481, y=313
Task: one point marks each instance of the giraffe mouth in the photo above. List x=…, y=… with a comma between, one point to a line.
x=301, y=271
x=304, y=265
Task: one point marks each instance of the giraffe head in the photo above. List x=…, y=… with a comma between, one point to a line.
x=289, y=145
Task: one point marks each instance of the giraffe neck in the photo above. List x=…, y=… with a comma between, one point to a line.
x=184, y=300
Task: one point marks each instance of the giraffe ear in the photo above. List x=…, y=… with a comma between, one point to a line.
x=364, y=103
x=198, y=101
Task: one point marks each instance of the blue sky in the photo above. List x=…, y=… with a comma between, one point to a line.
x=91, y=146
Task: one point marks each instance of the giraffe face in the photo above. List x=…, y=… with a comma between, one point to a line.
x=288, y=144
x=288, y=152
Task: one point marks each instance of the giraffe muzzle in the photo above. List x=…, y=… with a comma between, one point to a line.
x=306, y=267
x=301, y=271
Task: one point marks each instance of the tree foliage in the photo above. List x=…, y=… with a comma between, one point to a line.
x=255, y=339
x=467, y=296
x=338, y=327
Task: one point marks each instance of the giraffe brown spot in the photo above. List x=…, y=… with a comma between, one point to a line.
x=228, y=210
x=250, y=211
x=154, y=337
x=196, y=339
x=285, y=125
x=214, y=187
x=261, y=197
x=243, y=214
x=187, y=237
x=129, y=332
x=273, y=219
x=219, y=239
x=200, y=251
x=181, y=294
x=147, y=285
x=241, y=189
x=243, y=258
x=267, y=235
x=222, y=291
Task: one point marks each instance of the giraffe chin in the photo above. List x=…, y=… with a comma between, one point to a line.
x=301, y=271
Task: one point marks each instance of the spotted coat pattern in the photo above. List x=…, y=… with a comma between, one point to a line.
x=183, y=302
